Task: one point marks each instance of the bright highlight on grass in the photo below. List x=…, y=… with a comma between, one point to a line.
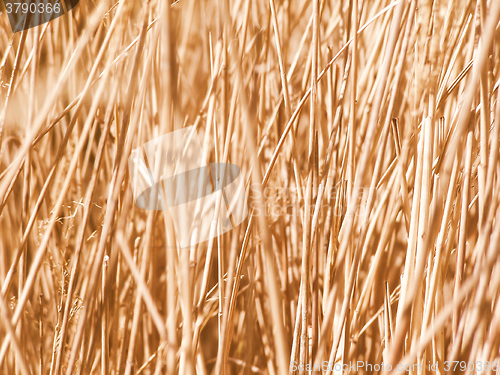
x=367, y=134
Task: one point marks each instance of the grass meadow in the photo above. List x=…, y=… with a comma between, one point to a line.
x=367, y=133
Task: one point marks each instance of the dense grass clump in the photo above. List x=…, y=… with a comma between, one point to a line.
x=367, y=133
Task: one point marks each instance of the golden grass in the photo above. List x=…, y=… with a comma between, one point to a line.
x=374, y=230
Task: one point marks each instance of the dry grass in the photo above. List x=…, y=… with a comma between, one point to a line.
x=374, y=228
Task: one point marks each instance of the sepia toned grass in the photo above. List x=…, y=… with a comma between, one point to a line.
x=367, y=133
